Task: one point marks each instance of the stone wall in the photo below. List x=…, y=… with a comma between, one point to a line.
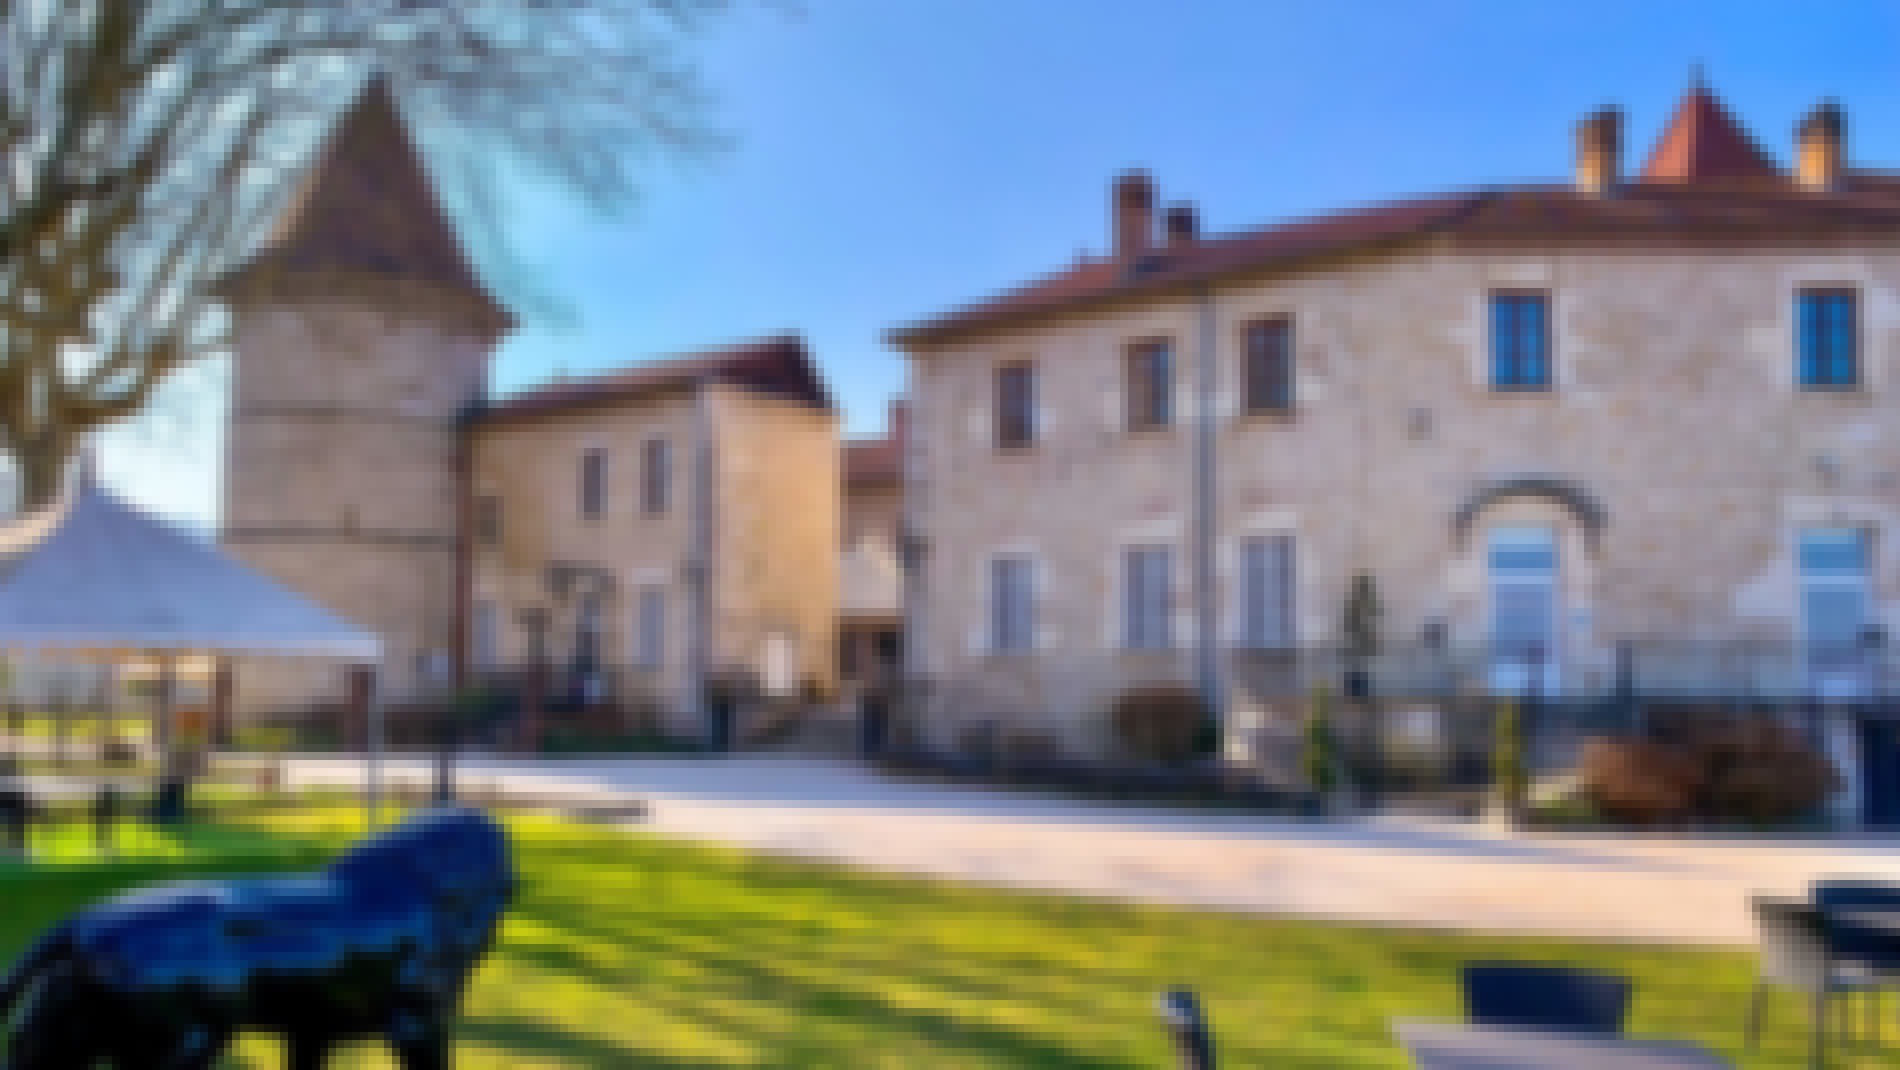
x=1675, y=407
x=340, y=479
x=773, y=509
x=777, y=521
x=533, y=467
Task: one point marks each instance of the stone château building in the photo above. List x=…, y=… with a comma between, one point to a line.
x=673, y=519
x=1653, y=409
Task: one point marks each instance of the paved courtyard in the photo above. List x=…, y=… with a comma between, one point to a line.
x=1408, y=871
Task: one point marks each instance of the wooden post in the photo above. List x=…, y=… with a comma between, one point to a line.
x=533, y=698
x=362, y=681
x=221, y=692
x=164, y=727
x=366, y=726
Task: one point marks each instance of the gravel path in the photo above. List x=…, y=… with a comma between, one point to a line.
x=1396, y=870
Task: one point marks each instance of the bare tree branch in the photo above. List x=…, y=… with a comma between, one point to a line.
x=145, y=146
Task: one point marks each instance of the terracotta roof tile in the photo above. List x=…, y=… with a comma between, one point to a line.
x=778, y=366
x=1733, y=193
x=1703, y=143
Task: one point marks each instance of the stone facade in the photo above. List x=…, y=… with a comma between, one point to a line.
x=1675, y=408
x=871, y=582
x=341, y=476
x=743, y=553
x=363, y=442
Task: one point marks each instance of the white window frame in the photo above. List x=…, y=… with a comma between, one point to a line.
x=596, y=480
x=1012, y=604
x=1514, y=671
x=1839, y=671
x=656, y=476
x=649, y=626
x=485, y=634
x=1265, y=622
x=1147, y=598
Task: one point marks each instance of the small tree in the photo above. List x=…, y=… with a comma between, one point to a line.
x=1510, y=773
x=1359, y=623
x=1319, y=760
x=1359, y=632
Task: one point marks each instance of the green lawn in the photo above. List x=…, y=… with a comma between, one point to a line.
x=81, y=726
x=629, y=950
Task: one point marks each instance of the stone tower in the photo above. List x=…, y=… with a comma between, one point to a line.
x=361, y=334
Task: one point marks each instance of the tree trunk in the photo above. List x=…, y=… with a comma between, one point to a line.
x=41, y=464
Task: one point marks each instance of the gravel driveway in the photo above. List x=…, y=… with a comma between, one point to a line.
x=1406, y=871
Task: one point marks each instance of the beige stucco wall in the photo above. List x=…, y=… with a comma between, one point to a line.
x=777, y=527
x=772, y=562
x=339, y=477
x=1676, y=408
x=871, y=580
x=533, y=468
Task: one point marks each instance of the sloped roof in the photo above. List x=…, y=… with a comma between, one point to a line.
x=368, y=210
x=868, y=462
x=94, y=572
x=873, y=462
x=1704, y=143
x=1729, y=194
x=779, y=366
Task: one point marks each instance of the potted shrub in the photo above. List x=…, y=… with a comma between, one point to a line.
x=1319, y=756
x=1161, y=724
x=1510, y=770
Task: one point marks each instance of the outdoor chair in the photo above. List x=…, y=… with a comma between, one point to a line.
x=1541, y=996
x=1801, y=951
x=1875, y=955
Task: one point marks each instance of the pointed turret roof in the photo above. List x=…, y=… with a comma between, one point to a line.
x=367, y=210
x=1703, y=142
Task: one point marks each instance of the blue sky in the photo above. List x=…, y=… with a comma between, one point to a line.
x=894, y=157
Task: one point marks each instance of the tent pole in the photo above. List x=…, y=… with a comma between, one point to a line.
x=374, y=800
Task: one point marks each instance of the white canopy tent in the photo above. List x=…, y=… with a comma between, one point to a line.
x=96, y=573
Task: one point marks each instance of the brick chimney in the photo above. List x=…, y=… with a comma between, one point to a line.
x=1600, y=152
x=1819, y=146
x=897, y=423
x=1183, y=224
x=1134, y=209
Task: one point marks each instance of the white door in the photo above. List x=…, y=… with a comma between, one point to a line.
x=1524, y=609
x=1836, y=611
x=781, y=664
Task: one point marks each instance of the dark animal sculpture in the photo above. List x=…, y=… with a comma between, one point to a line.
x=381, y=943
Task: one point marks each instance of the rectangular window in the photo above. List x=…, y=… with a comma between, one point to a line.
x=649, y=627
x=1267, y=371
x=1266, y=586
x=488, y=520
x=656, y=461
x=1520, y=341
x=535, y=624
x=1836, y=610
x=1015, y=404
x=593, y=483
x=486, y=640
x=1523, y=573
x=1150, y=385
x=1148, y=598
x=1012, y=604
x=1829, y=339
